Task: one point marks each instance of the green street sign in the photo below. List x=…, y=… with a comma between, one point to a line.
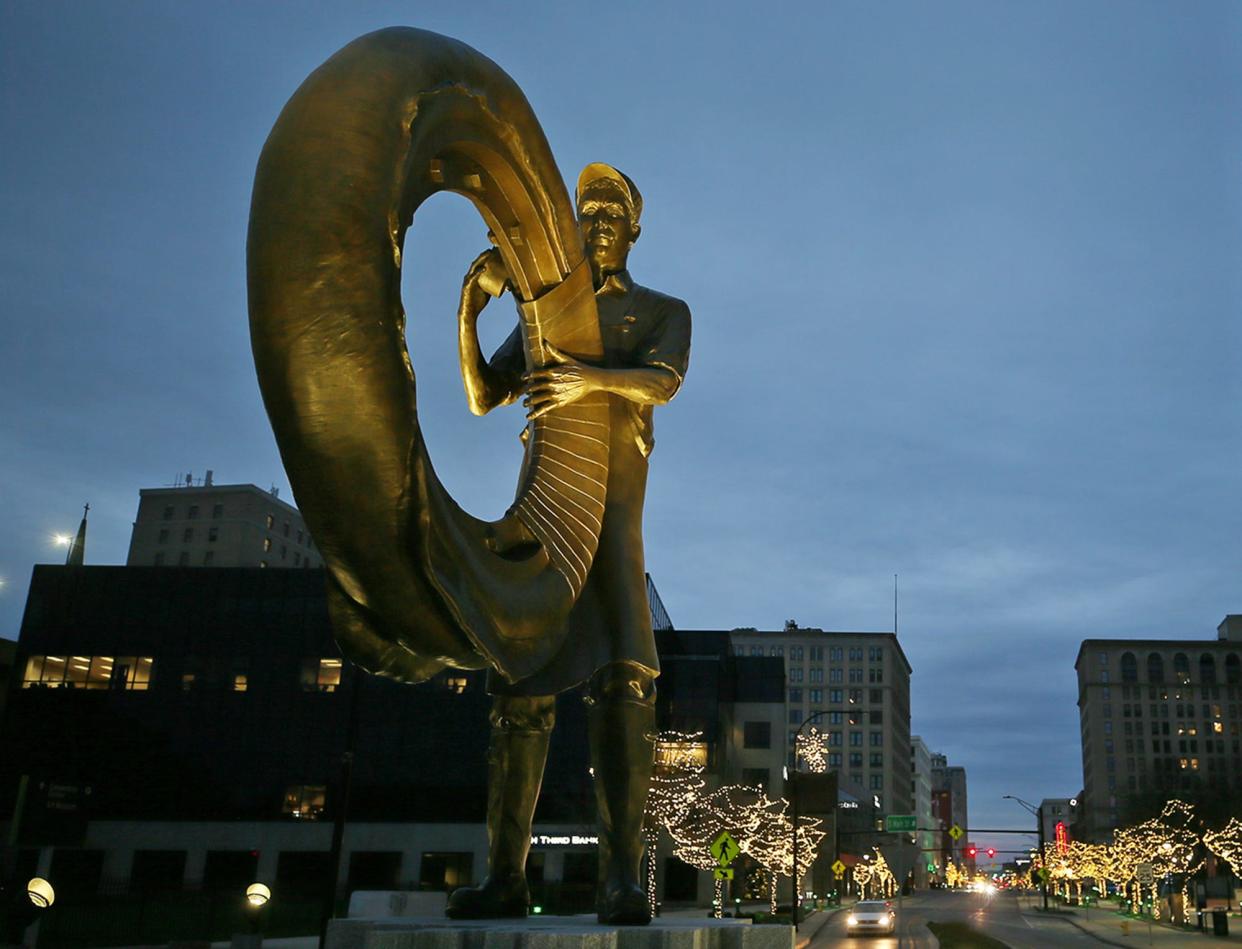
x=900, y=823
x=931, y=868
x=724, y=848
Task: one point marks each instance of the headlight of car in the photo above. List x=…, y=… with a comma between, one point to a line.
x=851, y=920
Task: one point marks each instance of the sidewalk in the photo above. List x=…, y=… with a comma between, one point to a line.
x=1109, y=926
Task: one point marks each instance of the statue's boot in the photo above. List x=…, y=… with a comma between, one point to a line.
x=622, y=732
x=517, y=752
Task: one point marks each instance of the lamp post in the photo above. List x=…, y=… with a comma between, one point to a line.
x=1043, y=861
x=793, y=800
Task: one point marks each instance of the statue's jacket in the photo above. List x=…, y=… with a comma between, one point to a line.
x=611, y=621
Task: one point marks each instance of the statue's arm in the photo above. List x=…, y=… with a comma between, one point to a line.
x=656, y=381
x=488, y=384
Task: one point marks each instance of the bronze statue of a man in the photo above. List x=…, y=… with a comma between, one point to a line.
x=610, y=646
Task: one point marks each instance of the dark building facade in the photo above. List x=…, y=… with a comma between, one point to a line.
x=185, y=729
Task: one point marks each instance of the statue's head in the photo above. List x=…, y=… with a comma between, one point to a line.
x=609, y=206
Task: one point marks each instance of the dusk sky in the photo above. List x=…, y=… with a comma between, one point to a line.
x=964, y=279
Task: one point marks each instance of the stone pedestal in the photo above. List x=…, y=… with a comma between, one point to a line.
x=555, y=932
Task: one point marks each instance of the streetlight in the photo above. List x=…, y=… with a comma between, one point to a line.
x=1043, y=857
x=793, y=799
x=19, y=909
x=40, y=893
x=258, y=895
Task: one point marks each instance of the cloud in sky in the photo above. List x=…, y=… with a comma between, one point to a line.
x=964, y=281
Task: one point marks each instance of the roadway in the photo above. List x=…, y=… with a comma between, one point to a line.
x=996, y=915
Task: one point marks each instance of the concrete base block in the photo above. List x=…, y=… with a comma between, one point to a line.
x=554, y=932
x=379, y=904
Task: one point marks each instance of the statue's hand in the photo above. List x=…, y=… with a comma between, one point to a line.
x=564, y=381
x=487, y=277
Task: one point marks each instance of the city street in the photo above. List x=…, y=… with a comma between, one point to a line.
x=997, y=916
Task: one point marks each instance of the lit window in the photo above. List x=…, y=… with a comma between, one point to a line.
x=240, y=683
x=87, y=672
x=680, y=754
x=305, y=801
x=187, y=682
x=267, y=544
x=262, y=563
x=132, y=673
x=321, y=675
x=270, y=521
x=456, y=684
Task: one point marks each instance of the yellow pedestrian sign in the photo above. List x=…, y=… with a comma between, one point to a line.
x=838, y=868
x=956, y=832
x=723, y=873
x=724, y=848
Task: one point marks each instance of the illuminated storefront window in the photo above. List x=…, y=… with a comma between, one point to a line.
x=681, y=753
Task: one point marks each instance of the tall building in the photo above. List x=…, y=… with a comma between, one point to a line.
x=921, y=793
x=1158, y=716
x=859, y=683
x=949, y=806
x=219, y=525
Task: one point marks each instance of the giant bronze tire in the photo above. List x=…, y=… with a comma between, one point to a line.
x=392, y=118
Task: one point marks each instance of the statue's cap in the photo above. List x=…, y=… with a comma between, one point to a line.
x=597, y=171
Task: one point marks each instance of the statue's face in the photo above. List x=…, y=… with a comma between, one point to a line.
x=607, y=229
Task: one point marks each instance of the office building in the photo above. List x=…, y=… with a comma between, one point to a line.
x=219, y=525
x=921, y=794
x=949, y=807
x=1158, y=717
x=858, y=686
x=180, y=732
x=1057, y=816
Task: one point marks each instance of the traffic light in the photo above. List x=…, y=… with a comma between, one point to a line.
x=991, y=851
x=972, y=851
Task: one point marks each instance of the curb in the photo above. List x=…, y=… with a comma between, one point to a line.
x=803, y=941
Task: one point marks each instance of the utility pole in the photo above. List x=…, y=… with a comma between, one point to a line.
x=1043, y=862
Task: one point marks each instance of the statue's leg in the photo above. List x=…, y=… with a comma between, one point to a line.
x=517, y=752
x=621, y=718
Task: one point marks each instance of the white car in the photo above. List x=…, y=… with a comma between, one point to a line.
x=871, y=916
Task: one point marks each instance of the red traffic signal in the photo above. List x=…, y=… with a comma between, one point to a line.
x=972, y=851
x=991, y=851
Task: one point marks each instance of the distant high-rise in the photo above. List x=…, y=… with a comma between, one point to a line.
x=219, y=525
x=949, y=805
x=860, y=682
